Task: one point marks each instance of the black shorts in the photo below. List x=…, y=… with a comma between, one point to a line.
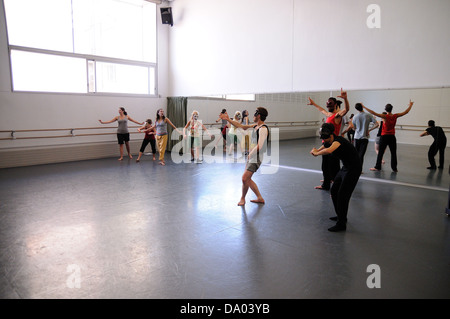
x=123, y=137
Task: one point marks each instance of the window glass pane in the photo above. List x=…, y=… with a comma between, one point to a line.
x=43, y=24
x=152, y=81
x=120, y=78
x=48, y=73
x=91, y=76
x=122, y=29
x=242, y=97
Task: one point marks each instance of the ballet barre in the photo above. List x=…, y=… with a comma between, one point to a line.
x=71, y=132
x=418, y=128
x=278, y=124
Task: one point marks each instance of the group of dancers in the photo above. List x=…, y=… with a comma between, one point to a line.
x=335, y=149
x=154, y=133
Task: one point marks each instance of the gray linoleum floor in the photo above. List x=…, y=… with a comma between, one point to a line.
x=109, y=229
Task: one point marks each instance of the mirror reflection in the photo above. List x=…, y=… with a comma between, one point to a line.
x=298, y=122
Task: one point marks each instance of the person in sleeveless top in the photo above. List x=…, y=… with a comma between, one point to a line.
x=388, y=134
x=378, y=137
x=195, y=126
x=223, y=129
x=346, y=179
x=123, y=135
x=330, y=164
x=439, y=144
x=260, y=137
x=245, y=143
x=162, y=134
x=350, y=130
x=233, y=134
x=148, y=138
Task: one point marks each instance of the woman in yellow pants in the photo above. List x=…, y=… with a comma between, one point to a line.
x=161, y=134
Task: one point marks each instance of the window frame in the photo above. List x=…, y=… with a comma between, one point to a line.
x=94, y=58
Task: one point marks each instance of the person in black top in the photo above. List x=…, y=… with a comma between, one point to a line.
x=347, y=177
x=439, y=144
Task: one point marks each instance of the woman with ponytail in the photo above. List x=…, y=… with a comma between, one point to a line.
x=123, y=135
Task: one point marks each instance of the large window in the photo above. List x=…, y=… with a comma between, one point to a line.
x=82, y=46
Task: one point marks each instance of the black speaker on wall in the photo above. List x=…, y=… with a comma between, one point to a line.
x=166, y=16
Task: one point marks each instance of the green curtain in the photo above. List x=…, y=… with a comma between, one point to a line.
x=176, y=112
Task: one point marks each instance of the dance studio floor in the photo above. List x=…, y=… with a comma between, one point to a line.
x=109, y=229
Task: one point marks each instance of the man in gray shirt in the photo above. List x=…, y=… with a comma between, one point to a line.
x=361, y=123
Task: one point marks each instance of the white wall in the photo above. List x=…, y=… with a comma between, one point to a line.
x=231, y=46
x=282, y=107
x=259, y=46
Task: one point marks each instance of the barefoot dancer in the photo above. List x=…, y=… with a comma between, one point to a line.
x=260, y=135
x=123, y=135
x=162, y=134
x=148, y=138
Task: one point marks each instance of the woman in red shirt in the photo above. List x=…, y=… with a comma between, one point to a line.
x=388, y=134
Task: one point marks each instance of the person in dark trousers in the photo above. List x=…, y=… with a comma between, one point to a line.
x=330, y=164
x=148, y=138
x=350, y=130
x=378, y=137
x=447, y=210
x=439, y=144
x=347, y=177
x=388, y=134
x=361, y=123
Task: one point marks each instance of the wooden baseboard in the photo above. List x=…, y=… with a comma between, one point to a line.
x=28, y=156
x=17, y=157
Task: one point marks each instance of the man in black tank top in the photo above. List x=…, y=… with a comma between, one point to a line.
x=347, y=177
x=260, y=136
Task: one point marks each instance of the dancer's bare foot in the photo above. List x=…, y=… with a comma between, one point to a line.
x=383, y=162
x=154, y=158
x=137, y=160
x=129, y=155
x=374, y=169
x=120, y=159
x=241, y=202
x=162, y=163
x=258, y=201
